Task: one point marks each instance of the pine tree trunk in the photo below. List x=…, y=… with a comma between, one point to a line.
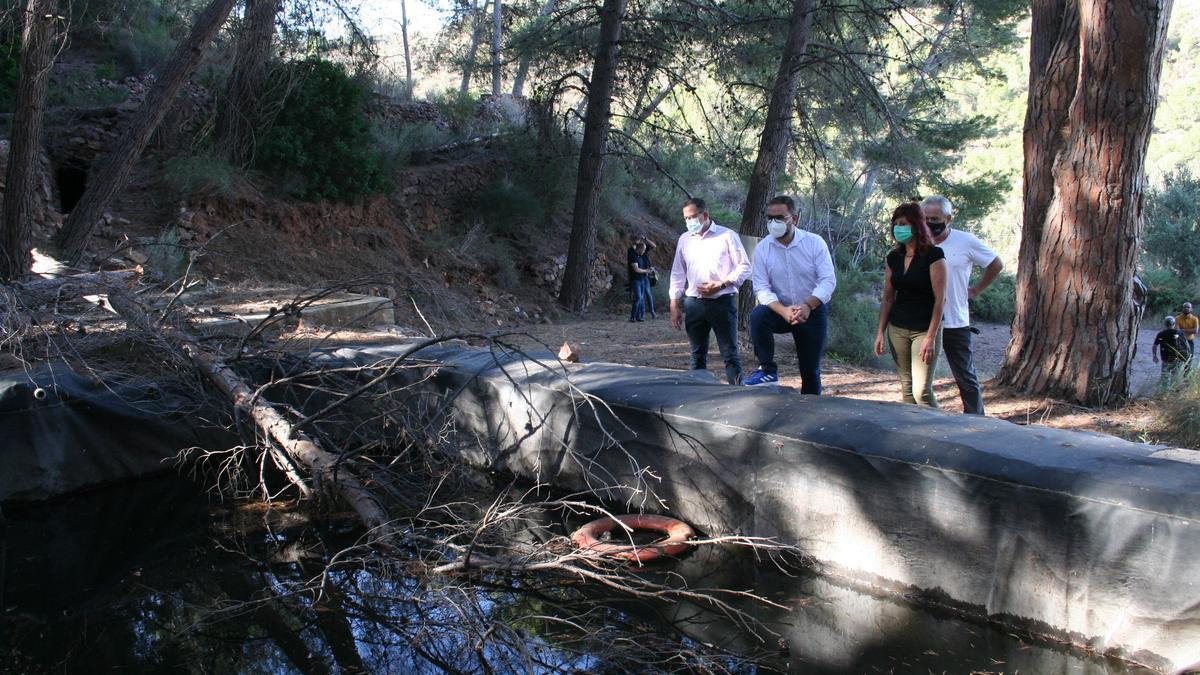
x=239, y=117
x=518, y=88
x=773, y=144
x=472, y=48
x=113, y=171
x=1093, y=87
x=39, y=31
x=581, y=253
x=497, y=27
x=408, y=77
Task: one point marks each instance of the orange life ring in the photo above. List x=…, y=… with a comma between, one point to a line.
x=677, y=531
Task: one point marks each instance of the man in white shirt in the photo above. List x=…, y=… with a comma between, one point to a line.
x=963, y=252
x=710, y=264
x=793, y=279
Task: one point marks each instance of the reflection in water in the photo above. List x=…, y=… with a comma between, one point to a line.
x=140, y=579
x=834, y=628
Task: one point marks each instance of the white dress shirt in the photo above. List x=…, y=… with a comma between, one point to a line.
x=793, y=273
x=717, y=255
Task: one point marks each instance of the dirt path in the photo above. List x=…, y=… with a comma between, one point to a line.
x=655, y=344
x=993, y=340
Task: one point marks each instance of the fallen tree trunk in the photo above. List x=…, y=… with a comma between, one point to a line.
x=40, y=291
x=292, y=449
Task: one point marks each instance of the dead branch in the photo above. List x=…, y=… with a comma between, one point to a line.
x=297, y=448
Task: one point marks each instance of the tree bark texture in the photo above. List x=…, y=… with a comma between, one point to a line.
x=472, y=48
x=581, y=252
x=111, y=173
x=773, y=144
x=1093, y=87
x=39, y=32
x=240, y=117
x=518, y=88
x=497, y=35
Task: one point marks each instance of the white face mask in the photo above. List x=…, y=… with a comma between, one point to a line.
x=694, y=225
x=778, y=227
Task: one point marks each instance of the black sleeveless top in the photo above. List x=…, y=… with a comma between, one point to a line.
x=913, y=307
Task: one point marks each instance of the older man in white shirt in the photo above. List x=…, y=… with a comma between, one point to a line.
x=793, y=279
x=710, y=264
x=963, y=251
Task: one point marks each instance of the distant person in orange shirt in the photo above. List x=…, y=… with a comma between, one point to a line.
x=1188, y=323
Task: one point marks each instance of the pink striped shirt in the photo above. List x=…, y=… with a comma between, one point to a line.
x=716, y=255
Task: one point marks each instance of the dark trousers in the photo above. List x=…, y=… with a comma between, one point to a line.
x=808, y=336
x=639, y=292
x=1171, y=371
x=956, y=342
x=719, y=316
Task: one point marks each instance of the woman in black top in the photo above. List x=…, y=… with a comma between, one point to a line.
x=910, y=317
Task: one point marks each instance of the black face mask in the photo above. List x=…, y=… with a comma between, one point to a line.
x=937, y=228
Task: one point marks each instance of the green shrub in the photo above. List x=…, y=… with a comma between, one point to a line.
x=511, y=207
x=106, y=70
x=852, y=325
x=1172, y=226
x=854, y=315
x=166, y=257
x=320, y=143
x=663, y=197
x=201, y=176
x=998, y=304
x=389, y=84
x=1165, y=292
x=1179, y=413
x=148, y=38
x=397, y=144
x=539, y=182
x=458, y=109
x=499, y=259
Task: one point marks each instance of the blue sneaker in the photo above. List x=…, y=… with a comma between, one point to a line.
x=759, y=378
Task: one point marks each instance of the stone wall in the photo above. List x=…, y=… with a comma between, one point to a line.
x=83, y=135
x=549, y=274
x=427, y=198
x=400, y=113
